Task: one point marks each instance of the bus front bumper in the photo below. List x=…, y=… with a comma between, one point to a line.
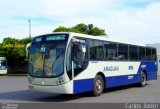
x=3, y=71
x=66, y=88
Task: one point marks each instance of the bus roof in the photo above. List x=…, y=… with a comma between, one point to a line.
x=104, y=38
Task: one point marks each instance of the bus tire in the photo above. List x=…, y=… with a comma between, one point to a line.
x=98, y=86
x=143, y=79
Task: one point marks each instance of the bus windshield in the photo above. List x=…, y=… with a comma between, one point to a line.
x=3, y=64
x=46, y=58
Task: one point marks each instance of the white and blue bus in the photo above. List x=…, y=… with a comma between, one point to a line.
x=71, y=63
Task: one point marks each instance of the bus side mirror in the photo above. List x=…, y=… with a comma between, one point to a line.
x=27, y=50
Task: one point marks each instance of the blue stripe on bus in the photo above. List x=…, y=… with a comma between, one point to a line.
x=87, y=84
x=82, y=85
x=150, y=68
x=121, y=80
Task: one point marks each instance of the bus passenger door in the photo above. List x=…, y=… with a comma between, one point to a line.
x=79, y=55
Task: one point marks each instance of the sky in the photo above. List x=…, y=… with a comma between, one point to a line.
x=136, y=21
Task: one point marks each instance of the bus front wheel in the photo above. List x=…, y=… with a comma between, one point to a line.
x=98, y=86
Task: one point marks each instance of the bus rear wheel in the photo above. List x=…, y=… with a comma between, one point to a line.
x=98, y=86
x=142, y=80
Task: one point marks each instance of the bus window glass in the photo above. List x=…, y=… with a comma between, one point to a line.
x=142, y=53
x=154, y=57
x=96, y=50
x=79, y=55
x=111, y=51
x=148, y=54
x=47, y=54
x=122, y=52
x=133, y=53
x=3, y=65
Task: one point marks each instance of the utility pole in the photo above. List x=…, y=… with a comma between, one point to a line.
x=29, y=21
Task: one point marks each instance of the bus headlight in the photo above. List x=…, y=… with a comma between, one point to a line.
x=30, y=79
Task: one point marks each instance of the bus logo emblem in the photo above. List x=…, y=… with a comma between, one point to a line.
x=130, y=67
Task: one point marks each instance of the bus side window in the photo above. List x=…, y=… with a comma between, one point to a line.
x=111, y=51
x=122, y=52
x=148, y=54
x=154, y=55
x=133, y=53
x=96, y=50
x=142, y=53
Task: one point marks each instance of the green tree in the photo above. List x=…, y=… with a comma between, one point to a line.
x=82, y=28
x=14, y=50
x=62, y=28
x=2, y=51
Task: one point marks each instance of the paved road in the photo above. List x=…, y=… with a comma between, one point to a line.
x=15, y=89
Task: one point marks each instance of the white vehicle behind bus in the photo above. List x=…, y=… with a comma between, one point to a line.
x=3, y=65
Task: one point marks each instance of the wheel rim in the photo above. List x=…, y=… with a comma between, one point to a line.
x=98, y=86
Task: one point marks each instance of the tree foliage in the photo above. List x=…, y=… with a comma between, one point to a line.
x=14, y=50
x=82, y=28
